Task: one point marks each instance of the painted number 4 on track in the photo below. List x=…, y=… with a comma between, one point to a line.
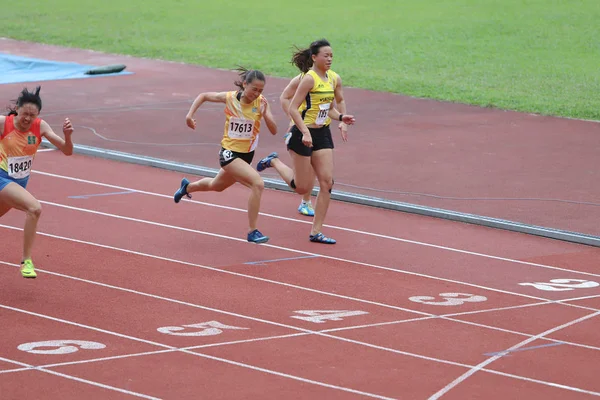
x=321, y=316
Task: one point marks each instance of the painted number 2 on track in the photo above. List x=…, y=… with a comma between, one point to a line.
x=561, y=285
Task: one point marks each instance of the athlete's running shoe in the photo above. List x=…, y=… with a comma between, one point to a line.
x=266, y=162
x=320, y=238
x=182, y=191
x=256, y=237
x=27, y=269
x=306, y=209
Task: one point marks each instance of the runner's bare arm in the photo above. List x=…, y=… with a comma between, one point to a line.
x=268, y=116
x=304, y=87
x=340, y=105
x=288, y=94
x=340, y=102
x=65, y=145
x=213, y=97
x=346, y=118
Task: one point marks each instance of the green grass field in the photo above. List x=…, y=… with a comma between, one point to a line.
x=539, y=56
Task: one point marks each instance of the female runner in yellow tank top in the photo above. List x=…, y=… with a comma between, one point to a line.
x=304, y=64
x=311, y=144
x=244, y=109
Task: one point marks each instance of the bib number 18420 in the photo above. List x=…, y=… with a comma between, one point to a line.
x=19, y=167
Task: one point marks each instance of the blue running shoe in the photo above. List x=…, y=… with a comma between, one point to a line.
x=306, y=209
x=256, y=237
x=320, y=238
x=266, y=162
x=287, y=138
x=182, y=191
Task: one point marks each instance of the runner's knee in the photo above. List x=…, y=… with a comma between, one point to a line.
x=258, y=185
x=302, y=189
x=34, y=210
x=326, y=184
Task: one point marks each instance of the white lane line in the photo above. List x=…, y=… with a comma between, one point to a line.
x=361, y=232
x=551, y=384
x=485, y=363
x=194, y=353
x=175, y=227
x=595, y=296
x=224, y=271
x=86, y=381
x=330, y=330
x=258, y=278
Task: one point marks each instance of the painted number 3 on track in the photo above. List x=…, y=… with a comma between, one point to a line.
x=448, y=299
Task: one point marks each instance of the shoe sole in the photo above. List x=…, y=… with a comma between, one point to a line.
x=259, y=241
x=175, y=199
x=321, y=242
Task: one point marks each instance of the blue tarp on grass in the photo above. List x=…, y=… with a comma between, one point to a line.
x=16, y=69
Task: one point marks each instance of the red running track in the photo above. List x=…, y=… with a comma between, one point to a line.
x=139, y=297
x=501, y=164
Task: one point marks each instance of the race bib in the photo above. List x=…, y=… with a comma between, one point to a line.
x=322, y=115
x=19, y=167
x=240, y=128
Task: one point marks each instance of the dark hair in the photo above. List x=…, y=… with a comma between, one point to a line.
x=26, y=97
x=302, y=58
x=248, y=76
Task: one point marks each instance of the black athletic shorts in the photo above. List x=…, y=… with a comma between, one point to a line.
x=227, y=156
x=321, y=138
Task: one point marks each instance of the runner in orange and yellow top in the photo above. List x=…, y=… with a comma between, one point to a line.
x=244, y=110
x=21, y=134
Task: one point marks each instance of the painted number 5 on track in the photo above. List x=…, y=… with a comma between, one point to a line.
x=209, y=328
x=59, y=346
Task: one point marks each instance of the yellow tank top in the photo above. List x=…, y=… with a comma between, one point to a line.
x=315, y=107
x=242, y=123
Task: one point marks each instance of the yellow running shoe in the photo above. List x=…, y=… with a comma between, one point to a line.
x=27, y=269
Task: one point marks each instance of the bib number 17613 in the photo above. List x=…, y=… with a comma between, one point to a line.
x=240, y=128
